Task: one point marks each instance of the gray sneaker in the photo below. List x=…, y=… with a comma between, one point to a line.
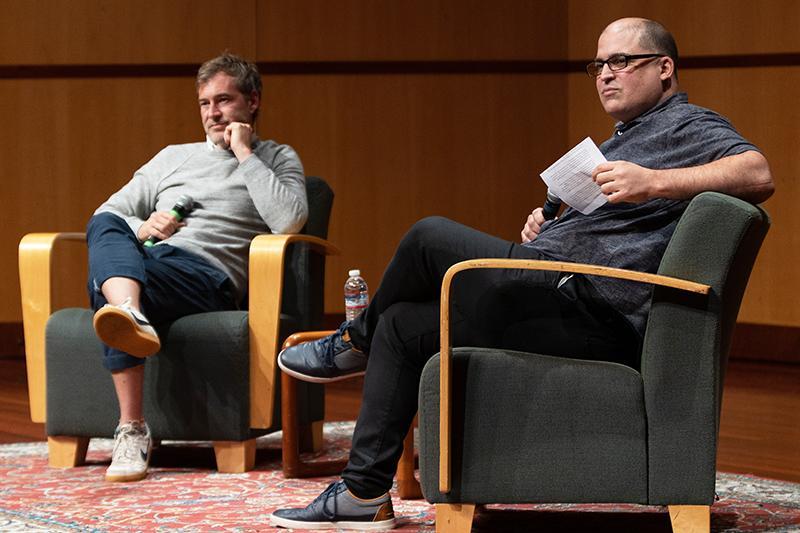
x=338, y=508
x=131, y=455
x=124, y=328
x=329, y=359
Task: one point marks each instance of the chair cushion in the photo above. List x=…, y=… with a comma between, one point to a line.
x=536, y=428
x=196, y=387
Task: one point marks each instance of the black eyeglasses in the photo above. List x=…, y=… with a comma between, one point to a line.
x=615, y=62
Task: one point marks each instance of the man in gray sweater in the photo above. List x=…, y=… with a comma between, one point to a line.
x=148, y=266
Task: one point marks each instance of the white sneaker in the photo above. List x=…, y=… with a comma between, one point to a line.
x=124, y=328
x=131, y=455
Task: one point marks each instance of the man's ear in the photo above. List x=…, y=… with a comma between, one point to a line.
x=253, y=102
x=667, y=68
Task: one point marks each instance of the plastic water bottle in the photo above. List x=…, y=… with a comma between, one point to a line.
x=356, y=295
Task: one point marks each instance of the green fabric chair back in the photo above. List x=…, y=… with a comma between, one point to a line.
x=687, y=341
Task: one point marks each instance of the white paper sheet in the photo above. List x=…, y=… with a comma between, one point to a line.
x=570, y=178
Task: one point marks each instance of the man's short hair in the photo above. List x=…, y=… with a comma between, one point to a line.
x=654, y=37
x=244, y=73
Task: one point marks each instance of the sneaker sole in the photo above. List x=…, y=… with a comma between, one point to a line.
x=126, y=477
x=383, y=525
x=118, y=330
x=316, y=379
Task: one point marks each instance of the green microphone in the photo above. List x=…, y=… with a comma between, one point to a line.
x=181, y=208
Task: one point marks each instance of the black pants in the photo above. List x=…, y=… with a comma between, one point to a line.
x=534, y=311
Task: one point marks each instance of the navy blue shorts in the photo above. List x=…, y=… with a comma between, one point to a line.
x=174, y=282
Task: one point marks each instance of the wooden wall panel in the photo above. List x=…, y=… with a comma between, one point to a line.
x=394, y=148
x=87, y=32
x=398, y=148
x=756, y=99
x=435, y=30
x=758, y=103
x=76, y=143
x=710, y=27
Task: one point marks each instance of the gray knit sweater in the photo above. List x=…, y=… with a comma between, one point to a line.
x=232, y=202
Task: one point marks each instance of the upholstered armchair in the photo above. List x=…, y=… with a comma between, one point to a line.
x=498, y=426
x=215, y=378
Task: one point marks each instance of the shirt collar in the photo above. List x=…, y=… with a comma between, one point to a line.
x=214, y=148
x=675, y=99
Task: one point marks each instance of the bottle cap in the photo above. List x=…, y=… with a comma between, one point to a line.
x=355, y=272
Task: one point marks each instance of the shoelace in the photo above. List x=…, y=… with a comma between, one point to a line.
x=129, y=451
x=325, y=496
x=328, y=344
x=138, y=317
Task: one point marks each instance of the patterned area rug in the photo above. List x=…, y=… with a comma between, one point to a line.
x=183, y=493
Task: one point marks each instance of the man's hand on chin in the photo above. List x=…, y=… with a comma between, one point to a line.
x=239, y=137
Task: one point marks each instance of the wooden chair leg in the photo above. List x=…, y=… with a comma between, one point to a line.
x=407, y=485
x=67, y=452
x=690, y=518
x=235, y=457
x=296, y=438
x=290, y=442
x=454, y=517
x=311, y=436
x=293, y=438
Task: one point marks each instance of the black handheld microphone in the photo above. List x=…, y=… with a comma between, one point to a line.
x=552, y=204
x=181, y=208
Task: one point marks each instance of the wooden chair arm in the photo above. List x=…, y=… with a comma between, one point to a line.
x=446, y=350
x=305, y=336
x=40, y=298
x=267, y=255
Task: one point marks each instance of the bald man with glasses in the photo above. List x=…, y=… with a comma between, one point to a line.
x=663, y=151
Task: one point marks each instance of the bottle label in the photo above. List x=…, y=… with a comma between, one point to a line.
x=359, y=301
x=354, y=305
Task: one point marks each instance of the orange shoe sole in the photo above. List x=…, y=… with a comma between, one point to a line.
x=117, y=329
